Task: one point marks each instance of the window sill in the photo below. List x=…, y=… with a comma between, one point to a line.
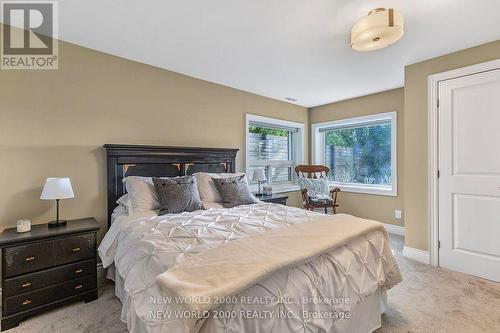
x=279, y=188
x=366, y=189
x=285, y=188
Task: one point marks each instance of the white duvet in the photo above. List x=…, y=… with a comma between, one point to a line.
x=339, y=291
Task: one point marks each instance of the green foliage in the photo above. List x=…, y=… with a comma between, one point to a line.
x=369, y=160
x=268, y=131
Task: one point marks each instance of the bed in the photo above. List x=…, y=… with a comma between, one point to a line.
x=341, y=290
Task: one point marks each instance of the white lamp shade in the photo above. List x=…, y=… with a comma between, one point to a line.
x=57, y=188
x=259, y=175
x=381, y=28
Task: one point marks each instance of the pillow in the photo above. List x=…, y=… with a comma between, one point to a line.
x=124, y=202
x=234, y=191
x=177, y=195
x=316, y=188
x=142, y=193
x=206, y=186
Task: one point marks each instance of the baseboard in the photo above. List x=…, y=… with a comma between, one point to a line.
x=417, y=255
x=394, y=229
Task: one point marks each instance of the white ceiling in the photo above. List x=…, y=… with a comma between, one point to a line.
x=277, y=48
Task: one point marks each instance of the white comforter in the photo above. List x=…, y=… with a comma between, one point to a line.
x=314, y=296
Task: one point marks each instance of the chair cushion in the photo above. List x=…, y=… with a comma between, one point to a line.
x=316, y=188
x=321, y=201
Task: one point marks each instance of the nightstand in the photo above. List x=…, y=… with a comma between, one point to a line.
x=274, y=198
x=47, y=267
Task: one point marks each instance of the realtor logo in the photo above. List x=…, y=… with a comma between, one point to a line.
x=29, y=35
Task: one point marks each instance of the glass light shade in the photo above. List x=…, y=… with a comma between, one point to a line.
x=259, y=175
x=381, y=28
x=57, y=188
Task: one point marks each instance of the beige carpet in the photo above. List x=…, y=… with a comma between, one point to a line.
x=428, y=300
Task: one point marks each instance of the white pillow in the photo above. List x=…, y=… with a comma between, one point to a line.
x=124, y=202
x=142, y=194
x=206, y=186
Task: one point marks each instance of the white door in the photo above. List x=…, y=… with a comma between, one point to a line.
x=469, y=167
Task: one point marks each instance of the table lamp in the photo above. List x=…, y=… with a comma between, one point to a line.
x=56, y=189
x=259, y=175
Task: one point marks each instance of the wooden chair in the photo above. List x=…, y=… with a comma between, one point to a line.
x=315, y=172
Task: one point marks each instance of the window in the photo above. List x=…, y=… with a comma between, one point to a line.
x=275, y=146
x=360, y=152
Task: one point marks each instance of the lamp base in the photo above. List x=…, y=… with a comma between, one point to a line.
x=59, y=223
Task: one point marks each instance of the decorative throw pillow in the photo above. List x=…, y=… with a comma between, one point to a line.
x=234, y=191
x=206, y=186
x=316, y=188
x=177, y=195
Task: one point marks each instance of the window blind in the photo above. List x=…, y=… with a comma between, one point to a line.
x=356, y=125
x=278, y=127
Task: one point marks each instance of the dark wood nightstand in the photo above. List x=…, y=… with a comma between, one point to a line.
x=274, y=198
x=47, y=267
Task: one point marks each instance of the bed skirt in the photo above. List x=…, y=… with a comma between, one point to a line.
x=365, y=316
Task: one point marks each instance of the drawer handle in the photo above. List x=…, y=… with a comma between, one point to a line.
x=26, y=302
x=30, y=258
x=76, y=249
x=78, y=271
x=26, y=284
x=79, y=286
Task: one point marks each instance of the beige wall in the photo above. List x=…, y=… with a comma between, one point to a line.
x=377, y=207
x=53, y=123
x=415, y=129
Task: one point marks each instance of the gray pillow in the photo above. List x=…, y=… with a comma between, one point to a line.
x=177, y=195
x=234, y=191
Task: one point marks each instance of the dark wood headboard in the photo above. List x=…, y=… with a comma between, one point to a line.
x=159, y=161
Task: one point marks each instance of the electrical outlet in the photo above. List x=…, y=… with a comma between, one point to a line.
x=397, y=213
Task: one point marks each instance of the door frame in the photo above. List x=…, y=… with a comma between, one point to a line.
x=433, y=147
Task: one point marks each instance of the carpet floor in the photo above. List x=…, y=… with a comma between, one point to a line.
x=429, y=299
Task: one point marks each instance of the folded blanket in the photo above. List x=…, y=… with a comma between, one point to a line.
x=234, y=266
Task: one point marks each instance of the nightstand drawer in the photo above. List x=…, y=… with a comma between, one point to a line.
x=36, y=256
x=33, y=281
x=274, y=198
x=281, y=201
x=46, y=268
x=46, y=295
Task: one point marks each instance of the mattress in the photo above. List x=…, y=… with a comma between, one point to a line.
x=340, y=291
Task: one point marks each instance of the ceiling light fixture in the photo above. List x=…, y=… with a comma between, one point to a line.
x=380, y=28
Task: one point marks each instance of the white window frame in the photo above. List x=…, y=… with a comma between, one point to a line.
x=318, y=148
x=298, y=148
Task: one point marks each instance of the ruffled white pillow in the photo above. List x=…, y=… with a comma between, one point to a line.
x=124, y=202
